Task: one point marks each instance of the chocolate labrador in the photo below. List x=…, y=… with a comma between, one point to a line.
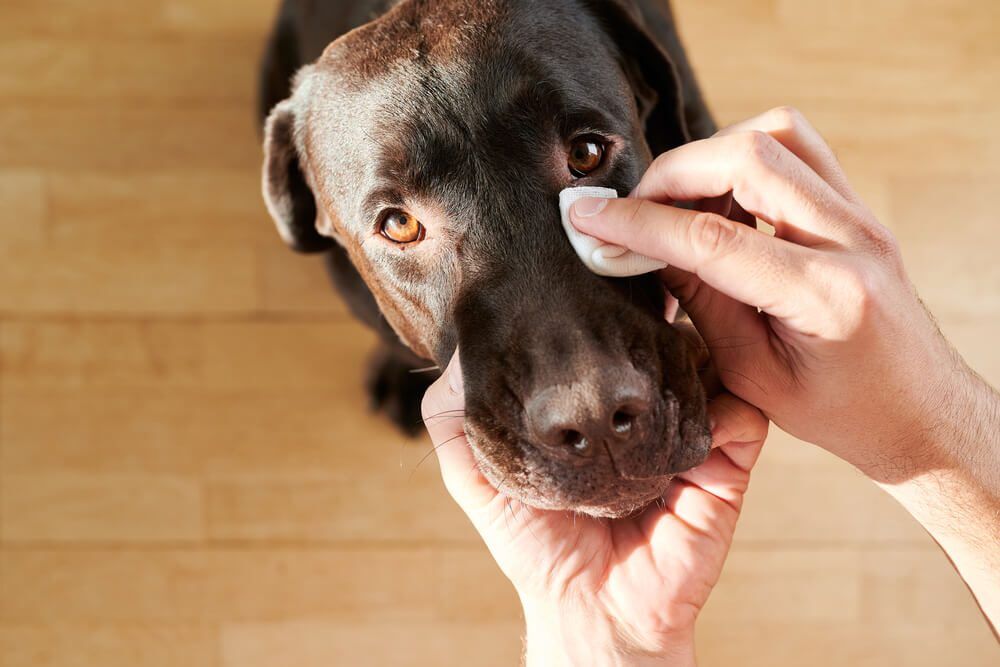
x=422, y=145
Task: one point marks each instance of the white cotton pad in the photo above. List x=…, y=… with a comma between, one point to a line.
x=602, y=258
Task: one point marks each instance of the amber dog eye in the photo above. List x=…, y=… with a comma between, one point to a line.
x=585, y=155
x=400, y=227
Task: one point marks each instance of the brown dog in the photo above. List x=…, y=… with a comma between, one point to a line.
x=424, y=152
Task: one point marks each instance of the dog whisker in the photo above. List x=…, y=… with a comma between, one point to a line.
x=433, y=449
x=429, y=369
x=449, y=414
x=506, y=505
x=531, y=530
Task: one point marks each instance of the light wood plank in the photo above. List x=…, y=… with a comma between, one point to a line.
x=833, y=607
x=182, y=205
x=293, y=284
x=137, y=70
x=218, y=433
x=375, y=507
x=75, y=18
x=781, y=507
x=22, y=206
x=318, y=643
x=93, y=508
x=974, y=339
x=949, y=242
x=824, y=644
x=120, y=585
x=83, y=136
x=195, y=354
x=115, y=277
x=125, y=645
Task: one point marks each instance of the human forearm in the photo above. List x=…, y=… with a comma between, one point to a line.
x=558, y=636
x=956, y=494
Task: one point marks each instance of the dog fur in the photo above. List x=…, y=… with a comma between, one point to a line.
x=459, y=112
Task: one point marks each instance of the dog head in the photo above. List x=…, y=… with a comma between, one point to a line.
x=432, y=144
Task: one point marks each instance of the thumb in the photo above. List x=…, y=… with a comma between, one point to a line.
x=729, y=330
x=443, y=410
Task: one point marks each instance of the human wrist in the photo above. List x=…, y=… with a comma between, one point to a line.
x=561, y=633
x=955, y=493
x=952, y=427
x=924, y=419
x=956, y=447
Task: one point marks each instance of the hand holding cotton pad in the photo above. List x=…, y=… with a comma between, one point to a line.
x=602, y=258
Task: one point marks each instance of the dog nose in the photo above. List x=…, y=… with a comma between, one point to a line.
x=574, y=419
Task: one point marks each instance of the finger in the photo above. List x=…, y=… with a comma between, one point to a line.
x=738, y=436
x=719, y=478
x=444, y=416
x=742, y=263
x=727, y=330
x=791, y=129
x=738, y=429
x=766, y=179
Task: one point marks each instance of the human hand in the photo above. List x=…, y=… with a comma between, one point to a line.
x=599, y=591
x=819, y=326
x=841, y=353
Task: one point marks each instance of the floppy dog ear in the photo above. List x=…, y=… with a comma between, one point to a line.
x=651, y=71
x=289, y=199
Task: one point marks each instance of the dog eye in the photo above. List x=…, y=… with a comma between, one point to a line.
x=402, y=228
x=585, y=155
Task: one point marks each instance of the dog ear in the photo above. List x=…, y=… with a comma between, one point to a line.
x=652, y=72
x=289, y=199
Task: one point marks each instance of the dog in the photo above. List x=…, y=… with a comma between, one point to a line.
x=421, y=145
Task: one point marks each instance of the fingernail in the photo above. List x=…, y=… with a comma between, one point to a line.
x=588, y=207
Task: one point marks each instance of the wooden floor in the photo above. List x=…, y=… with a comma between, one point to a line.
x=188, y=475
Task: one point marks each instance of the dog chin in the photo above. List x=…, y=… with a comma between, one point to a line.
x=623, y=498
x=625, y=508
x=618, y=503
x=615, y=498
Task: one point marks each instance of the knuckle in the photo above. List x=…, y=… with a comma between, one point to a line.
x=852, y=285
x=852, y=298
x=788, y=118
x=874, y=237
x=712, y=235
x=760, y=150
x=659, y=165
x=882, y=242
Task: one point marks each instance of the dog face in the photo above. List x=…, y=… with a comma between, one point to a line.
x=432, y=145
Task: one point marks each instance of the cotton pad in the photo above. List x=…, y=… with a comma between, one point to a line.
x=602, y=258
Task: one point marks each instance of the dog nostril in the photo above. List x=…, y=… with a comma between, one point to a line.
x=622, y=422
x=576, y=441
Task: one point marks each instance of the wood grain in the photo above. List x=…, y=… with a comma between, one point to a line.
x=189, y=474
